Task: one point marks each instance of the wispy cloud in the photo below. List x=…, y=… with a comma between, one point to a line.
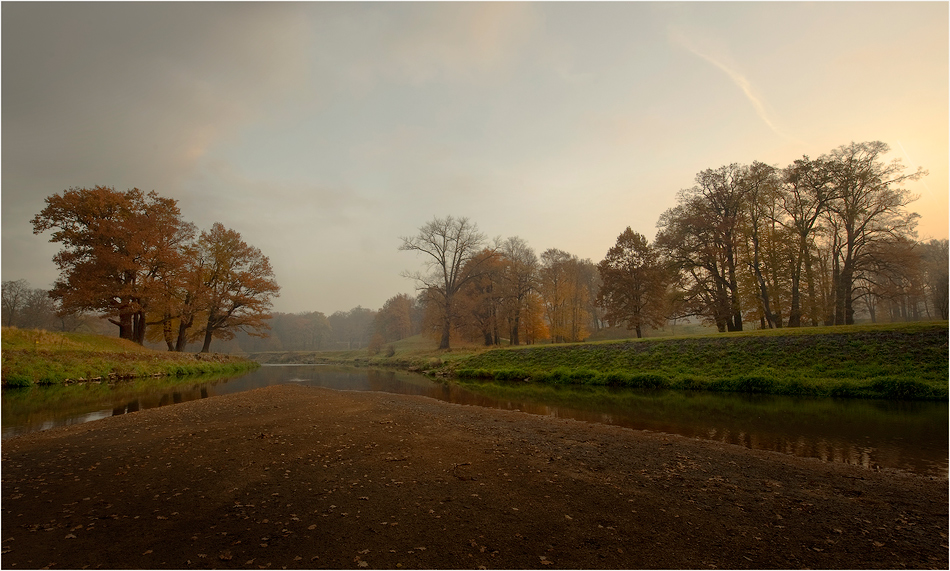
x=740, y=80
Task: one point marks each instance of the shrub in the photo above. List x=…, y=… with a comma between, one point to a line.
x=753, y=384
x=511, y=375
x=647, y=381
x=901, y=389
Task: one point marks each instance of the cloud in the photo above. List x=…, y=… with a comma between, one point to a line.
x=740, y=80
x=135, y=94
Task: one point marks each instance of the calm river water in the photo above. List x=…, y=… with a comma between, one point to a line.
x=910, y=436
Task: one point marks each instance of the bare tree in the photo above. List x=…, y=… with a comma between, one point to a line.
x=14, y=299
x=520, y=279
x=449, y=245
x=868, y=206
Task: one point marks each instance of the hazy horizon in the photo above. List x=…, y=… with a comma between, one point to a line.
x=322, y=132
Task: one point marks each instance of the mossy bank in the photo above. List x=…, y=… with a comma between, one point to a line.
x=903, y=361
x=45, y=358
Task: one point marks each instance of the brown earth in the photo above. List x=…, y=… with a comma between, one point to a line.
x=300, y=477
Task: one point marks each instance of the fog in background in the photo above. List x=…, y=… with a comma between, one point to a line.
x=324, y=132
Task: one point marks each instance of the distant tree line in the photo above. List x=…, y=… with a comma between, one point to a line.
x=816, y=242
x=131, y=258
x=26, y=307
x=812, y=243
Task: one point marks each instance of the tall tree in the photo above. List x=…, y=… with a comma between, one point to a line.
x=935, y=258
x=702, y=236
x=239, y=285
x=805, y=197
x=519, y=280
x=15, y=294
x=634, y=284
x=479, y=302
x=448, y=245
x=563, y=286
x=868, y=206
x=394, y=320
x=761, y=187
x=116, y=244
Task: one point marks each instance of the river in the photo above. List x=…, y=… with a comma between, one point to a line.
x=874, y=434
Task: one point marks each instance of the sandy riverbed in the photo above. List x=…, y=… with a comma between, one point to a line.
x=301, y=477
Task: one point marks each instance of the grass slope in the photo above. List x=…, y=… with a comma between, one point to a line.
x=896, y=361
x=44, y=357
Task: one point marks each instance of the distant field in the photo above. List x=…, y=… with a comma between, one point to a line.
x=895, y=361
x=44, y=357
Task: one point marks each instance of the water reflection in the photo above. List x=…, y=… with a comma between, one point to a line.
x=911, y=436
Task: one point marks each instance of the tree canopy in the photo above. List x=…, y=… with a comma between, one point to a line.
x=132, y=258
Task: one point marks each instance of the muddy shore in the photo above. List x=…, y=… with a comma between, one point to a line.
x=301, y=477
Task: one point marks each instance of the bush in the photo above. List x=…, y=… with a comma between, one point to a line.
x=511, y=375
x=901, y=389
x=647, y=381
x=753, y=384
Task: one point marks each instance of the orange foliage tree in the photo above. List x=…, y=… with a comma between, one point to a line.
x=634, y=283
x=238, y=284
x=117, y=246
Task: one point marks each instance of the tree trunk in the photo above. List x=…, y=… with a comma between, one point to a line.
x=209, y=332
x=182, y=340
x=446, y=324
x=514, y=330
x=167, y=332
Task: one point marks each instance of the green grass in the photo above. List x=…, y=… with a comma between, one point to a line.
x=35, y=357
x=415, y=353
x=894, y=361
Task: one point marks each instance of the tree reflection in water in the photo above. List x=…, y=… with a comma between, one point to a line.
x=910, y=436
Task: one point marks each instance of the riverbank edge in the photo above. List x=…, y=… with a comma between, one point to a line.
x=769, y=374
x=24, y=368
x=467, y=478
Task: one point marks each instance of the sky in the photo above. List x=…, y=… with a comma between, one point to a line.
x=324, y=132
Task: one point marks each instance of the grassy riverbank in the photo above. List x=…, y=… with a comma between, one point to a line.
x=45, y=358
x=895, y=361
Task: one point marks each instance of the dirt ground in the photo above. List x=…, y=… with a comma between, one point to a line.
x=300, y=477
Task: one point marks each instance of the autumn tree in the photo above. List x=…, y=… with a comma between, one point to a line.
x=563, y=281
x=448, y=245
x=702, y=235
x=634, y=284
x=479, y=303
x=935, y=257
x=394, y=321
x=15, y=294
x=116, y=246
x=805, y=196
x=519, y=280
x=238, y=285
x=867, y=206
x=761, y=187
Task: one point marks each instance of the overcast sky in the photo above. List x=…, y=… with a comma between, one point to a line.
x=322, y=132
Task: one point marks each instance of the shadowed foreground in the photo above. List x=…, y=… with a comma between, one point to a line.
x=300, y=477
